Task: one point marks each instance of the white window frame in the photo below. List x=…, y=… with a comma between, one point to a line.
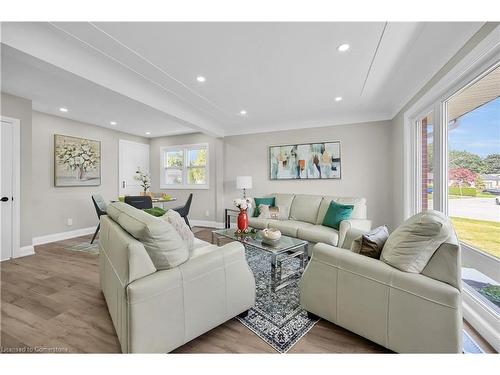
x=479, y=62
x=185, y=185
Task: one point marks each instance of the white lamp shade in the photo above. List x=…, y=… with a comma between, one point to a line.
x=244, y=182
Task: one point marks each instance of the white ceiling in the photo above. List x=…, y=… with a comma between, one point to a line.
x=285, y=75
x=50, y=88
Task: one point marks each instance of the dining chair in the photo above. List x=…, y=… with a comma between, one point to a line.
x=184, y=210
x=100, y=209
x=139, y=201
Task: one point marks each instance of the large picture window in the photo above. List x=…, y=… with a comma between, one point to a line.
x=455, y=168
x=184, y=167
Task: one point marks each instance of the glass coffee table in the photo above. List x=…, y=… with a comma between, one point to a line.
x=285, y=249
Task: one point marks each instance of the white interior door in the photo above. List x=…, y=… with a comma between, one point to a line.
x=6, y=189
x=133, y=155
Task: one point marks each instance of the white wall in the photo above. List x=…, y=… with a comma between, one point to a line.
x=204, y=200
x=20, y=108
x=52, y=206
x=366, y=165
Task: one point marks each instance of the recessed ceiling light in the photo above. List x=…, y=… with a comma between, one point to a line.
x=338, y=98
x=148, y=133
x=62, y=109
x=200, y=79
x=343, y=47
x=243, y=112
x=113, y=122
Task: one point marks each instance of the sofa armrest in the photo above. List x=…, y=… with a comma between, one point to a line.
x=347, y=225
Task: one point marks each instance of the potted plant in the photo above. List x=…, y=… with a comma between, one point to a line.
x=145, y=180
x=243, y=204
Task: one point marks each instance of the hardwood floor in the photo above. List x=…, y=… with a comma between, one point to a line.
x=52, y=302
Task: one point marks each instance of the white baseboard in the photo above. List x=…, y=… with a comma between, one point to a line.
x=206, y=223
x=62, y=236
x=25, y=251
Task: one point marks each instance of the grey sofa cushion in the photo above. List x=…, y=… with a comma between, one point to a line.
x=288, y=227
x=160, y=239
x=319, y=233
x=305, y=208
x=413, y=243
x=259, y=223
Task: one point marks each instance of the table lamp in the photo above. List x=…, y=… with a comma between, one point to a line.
x=244, y=182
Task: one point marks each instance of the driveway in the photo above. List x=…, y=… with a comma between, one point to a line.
x=475, y=208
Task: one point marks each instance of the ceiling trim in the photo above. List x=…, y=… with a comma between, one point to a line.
x=311, y=124
x=161, y=70
x=373, y=58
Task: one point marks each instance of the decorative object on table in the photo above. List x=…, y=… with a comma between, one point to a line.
x=336, y=213
x=144, y=179
x=100, y=209
x=243, y=183
x=305, y=161
x=269, y=201
x=370, y=244
x=243, y=205
x=121, y=198
x=270, y=236
x=155, y=211
x=167, y=197
x=276, y=317
x=77, y=161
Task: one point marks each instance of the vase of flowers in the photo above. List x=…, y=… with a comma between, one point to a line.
x=144, y=178
x=243, y=204
x=79, y=158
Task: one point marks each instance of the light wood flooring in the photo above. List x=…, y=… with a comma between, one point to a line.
x=52, y=302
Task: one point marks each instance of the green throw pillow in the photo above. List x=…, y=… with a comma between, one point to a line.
x=336, y=213
x=155, y=211
x=258, y=201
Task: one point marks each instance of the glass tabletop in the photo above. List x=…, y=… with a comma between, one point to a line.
x=285, y=243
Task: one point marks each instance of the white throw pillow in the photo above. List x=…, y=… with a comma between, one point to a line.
x=411, y=246
x=181, y=227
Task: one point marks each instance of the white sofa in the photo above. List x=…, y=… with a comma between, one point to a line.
x=405, y=312
x=306, y=216
x=157, y=311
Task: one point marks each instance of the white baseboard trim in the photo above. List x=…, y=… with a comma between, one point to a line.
x=25, y=251
x=62, y=236
x=206, y=223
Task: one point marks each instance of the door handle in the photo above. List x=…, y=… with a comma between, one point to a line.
x=4, y=199
x=123, y=184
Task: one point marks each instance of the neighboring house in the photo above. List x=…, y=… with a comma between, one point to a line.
x=491, y=181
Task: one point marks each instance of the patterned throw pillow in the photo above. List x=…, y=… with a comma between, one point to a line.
x=274, y=213
x=180, y=226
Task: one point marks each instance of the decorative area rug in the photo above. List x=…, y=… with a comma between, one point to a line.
x=277, y=317
x=85, y=247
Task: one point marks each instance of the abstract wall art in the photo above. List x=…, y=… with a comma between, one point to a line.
x=305, y=161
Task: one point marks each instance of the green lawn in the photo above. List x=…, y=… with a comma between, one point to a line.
x=481, y=234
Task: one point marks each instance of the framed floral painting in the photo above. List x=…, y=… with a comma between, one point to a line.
x=77, y=161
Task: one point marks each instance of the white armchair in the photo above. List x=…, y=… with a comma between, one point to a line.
x=405, y=312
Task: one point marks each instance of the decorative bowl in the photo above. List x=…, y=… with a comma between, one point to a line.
x=270, y=236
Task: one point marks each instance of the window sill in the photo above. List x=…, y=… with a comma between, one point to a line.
x=184, y=187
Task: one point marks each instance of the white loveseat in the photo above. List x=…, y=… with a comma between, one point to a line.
x=306, y=216
x=156, y=311
x=405, y=312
